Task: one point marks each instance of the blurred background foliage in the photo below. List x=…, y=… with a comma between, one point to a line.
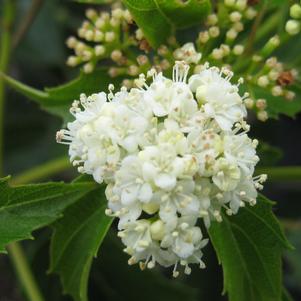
x=39, y=61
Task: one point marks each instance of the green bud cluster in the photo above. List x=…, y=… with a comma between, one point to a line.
x=293, y=26
x=222, y=42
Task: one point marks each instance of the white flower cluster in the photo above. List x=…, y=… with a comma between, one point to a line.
x=173, y=153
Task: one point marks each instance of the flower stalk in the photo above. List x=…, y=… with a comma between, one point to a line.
x=16, y=253
x=24, y=273
x=283, y=173
x=5, y=46
x=42, y=171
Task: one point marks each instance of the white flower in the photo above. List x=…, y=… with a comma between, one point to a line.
x=241, y=148
x=188, y=54
x=180, y=200
x=219, y=97
x=137, y=237
x=244, y=193
x=130, y=190
x=122, y=125
x=175, y=138
x=185, y=241
x=161, y=165
x=172, y=154
x=226, y=175
x=206, y=145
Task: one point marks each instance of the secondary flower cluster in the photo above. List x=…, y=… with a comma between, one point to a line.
x=173, y=153
x=115, y=39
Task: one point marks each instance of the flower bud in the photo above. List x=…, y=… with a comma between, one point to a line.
x=91, y=14
x=241, y=4
x=117, y=13
x=289, y=95
x=238, y=49
x=263, y=81
x=292, y=27
x=251, y=13
x=150, y=208
x=99, y=50
x=262, y=116
x=204, y=37
x=116, y=55
x=229, y=3
x=249, y=103
x=98, y=36
x=231, y=34
x=201, y=93
x=88, y=68
x=72, y=61
x=217, y=54
x=71, y=42
x=235, y=16
x=89, y=35
x=142, y=59
x=214, y=31
x=261, y=104
x=157, y=230
x=277, y=91
x=295, y=11
x=212, y=19
x=238, y=26
x=139, y=34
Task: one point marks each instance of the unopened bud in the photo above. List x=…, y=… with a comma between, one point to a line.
x=157, y=230
x=214, y=31
x=292, y=27
x=235, y=16
x=262, y=116
x=238, y=49
x=295, y=11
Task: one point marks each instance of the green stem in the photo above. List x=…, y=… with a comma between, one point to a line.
x=23, y=270
x=28, y=19
x=251, y=39
x=42, y=171
x=16, y=254
x=291, y=224
x=5, y=47
x=285, y=173
x=268, y=26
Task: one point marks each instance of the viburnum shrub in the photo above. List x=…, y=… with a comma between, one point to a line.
x=158, y=125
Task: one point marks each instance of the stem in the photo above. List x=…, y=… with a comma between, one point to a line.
x=268, y=26
x=27, y=21
x=291, y=224
x=42, y=171
x=16, y=254
x=5, y=47
x=23, y=270
x=285, y=173
x=254, y=30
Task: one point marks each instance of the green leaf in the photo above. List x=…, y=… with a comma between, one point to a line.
x=76, y=240
x=159, y=18
x=249, y=247
x=26, y=208
x=58, y=100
